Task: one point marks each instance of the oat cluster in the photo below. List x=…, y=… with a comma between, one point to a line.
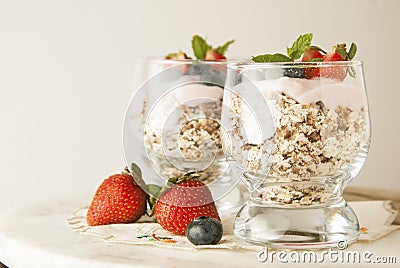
x=198, y=140
x=296, y=194
x=310, y=141
x=199, y=135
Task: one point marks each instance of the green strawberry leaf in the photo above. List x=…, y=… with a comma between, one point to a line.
x=136, y=173
x=352, y=51
x=187, y=176
x=171, y=56
x=172, y=181
x=341, y=50
x=277, y=57
x=200, y=47
x=299, y=46
x=316, y=48
x=136, y=169
x=222, y=49
x=154, y=192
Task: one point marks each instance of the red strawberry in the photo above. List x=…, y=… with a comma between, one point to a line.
x=214, y=55
x=311, y=53
x=118, y=200
x=337, y=72
x=184, y=202
x=333, y=56
x=311, y=72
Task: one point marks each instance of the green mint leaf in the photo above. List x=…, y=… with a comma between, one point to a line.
x=299, y=46
x=316, y=60
x=277, y=57
x=200, y=47
x=222, y=49
x=352, y=51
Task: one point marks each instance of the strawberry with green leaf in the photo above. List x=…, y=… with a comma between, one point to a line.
x=338, y=53
x=312, y=54
x=302, y=46
x=186, y=200
x=119, y=199
x=203, y=51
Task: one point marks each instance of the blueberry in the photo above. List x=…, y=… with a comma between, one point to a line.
x=213, y=76
x=204, y=230
x=294, y=72
x=198, y=68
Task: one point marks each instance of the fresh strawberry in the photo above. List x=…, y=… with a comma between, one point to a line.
x=335, y=72
x=214, y=55
x=311, y=72
x=332, y=56
x=338, y=53
x=118, y=200
x=184, y=202
x=312, y=53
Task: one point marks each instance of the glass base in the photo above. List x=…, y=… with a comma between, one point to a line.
x=230, y=203
x=302, y=228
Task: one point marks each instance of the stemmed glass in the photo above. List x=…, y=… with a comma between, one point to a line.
x=298, y=142
x=172, y=125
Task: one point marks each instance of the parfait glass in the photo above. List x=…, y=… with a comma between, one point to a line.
x=172, y=125
x=298, y=133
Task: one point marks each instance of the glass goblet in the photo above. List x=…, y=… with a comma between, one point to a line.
x=172, y=125
x=299, y=132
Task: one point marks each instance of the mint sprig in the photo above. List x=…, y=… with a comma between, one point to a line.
x=299, y=46
x=222, y=49
x=294, y=52
x=200, y=47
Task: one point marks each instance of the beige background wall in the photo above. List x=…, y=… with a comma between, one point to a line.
x=66, y=70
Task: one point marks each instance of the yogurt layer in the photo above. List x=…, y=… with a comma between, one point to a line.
x=169, y=106
x=258, y=101
x=331, y=92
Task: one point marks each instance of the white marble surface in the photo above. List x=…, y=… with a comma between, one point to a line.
x=38, y=236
